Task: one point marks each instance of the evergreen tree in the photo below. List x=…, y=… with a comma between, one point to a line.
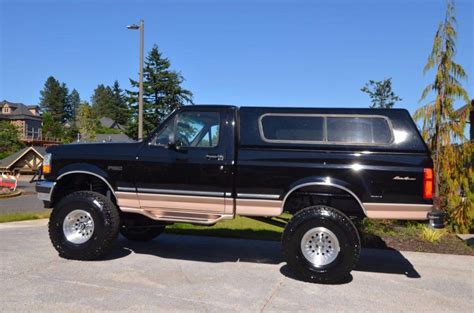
x=121, y=112
x=103, y=102
x=74, y=100
x=444, y=129
x=381, y=94
x=54, y=99
x=162, y=92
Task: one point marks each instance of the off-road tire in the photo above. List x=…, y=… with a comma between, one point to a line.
x=334, y=220
x=106, y=225
x=142, y=234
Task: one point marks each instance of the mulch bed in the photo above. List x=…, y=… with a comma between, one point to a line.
x=449, y=244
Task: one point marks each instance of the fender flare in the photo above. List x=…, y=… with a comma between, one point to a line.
x=87, y=169
x=322, y=181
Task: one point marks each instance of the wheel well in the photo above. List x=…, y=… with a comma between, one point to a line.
x=80, y=182
x=323, y=195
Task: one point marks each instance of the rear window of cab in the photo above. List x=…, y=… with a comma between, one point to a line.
x=325, y=129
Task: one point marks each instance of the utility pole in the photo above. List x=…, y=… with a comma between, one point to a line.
x=141, y=27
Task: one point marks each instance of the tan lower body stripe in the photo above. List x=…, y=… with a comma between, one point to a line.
x=400, y=211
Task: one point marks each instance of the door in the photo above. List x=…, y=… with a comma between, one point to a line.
x=185, y=168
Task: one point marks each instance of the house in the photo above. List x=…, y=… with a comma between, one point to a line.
x=111, y=124
x=26, y=117
x=27, y=160
x=112, y=138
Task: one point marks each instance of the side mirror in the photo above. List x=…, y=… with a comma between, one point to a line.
x=171, y=142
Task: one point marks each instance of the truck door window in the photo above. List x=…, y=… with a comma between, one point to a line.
x=198, y=129
x=162, y=138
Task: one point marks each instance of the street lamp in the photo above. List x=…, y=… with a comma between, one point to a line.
x=140, y=27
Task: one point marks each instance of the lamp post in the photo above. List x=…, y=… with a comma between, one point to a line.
x=141, y=27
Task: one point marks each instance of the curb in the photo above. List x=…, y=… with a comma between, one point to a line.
x=16, y=193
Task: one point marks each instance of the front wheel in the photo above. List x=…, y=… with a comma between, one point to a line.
x=84, y=225
x=321, y=244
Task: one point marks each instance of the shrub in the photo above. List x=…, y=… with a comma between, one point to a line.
x=432, y=235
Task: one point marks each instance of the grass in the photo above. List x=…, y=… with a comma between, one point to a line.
x=432, y=235
x=23, y=216
x=240, y=227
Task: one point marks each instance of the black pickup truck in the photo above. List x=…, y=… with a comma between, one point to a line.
x=207, y=163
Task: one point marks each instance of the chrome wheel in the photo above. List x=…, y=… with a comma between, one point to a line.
x=78, y=226
x=320, y=246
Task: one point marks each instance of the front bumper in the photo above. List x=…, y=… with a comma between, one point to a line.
x=44, y=189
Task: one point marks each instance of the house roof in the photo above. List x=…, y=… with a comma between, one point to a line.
x=20, y=111
x=110, y=123
x=7, y=162
x=112, y=138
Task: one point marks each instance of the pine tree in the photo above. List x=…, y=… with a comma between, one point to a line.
x=74, y=100
x=381, y=94
x=54, y=99
x=121, y=112
x=162, y=92
x=103, y=102
x=444, y=129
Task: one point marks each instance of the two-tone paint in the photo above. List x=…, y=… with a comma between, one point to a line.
x=246, y=175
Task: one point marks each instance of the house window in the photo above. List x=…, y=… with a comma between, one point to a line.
x=6, y=110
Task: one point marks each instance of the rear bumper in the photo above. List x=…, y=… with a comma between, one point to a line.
x=44, y=189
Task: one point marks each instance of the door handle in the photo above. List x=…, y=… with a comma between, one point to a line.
x=218, y=157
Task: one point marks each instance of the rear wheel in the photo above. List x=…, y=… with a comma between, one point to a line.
x=84, y=225
x=321, y=244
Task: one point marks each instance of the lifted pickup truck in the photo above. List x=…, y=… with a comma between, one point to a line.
x=208, y=163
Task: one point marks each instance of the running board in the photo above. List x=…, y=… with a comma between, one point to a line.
x=178, y=216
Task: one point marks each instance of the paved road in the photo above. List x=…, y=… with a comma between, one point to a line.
x=186, y=273
x=27, y=202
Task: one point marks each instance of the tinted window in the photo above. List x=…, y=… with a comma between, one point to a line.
x=358, y=130
x=162, y=138
x=198, y=129
x=292, y=128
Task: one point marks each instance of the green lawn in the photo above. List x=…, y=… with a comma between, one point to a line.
x=23, y=216
x=240, y=227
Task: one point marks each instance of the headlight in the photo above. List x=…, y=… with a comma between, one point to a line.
x=47, y=163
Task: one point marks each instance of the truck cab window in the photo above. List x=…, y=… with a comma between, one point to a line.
x=162, y=138
x=198, y=129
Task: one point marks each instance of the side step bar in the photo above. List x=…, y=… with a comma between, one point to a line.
x=179, y=217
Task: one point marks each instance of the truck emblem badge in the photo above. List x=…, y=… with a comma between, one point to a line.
x=404, y=178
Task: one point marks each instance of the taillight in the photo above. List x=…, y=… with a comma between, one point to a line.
x=428, y=183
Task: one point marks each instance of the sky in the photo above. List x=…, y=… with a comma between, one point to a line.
x=261, y=52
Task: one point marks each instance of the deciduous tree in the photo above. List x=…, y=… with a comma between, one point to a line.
x=9, y=139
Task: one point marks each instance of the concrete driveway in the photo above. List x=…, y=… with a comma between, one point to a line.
x=186, y=273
